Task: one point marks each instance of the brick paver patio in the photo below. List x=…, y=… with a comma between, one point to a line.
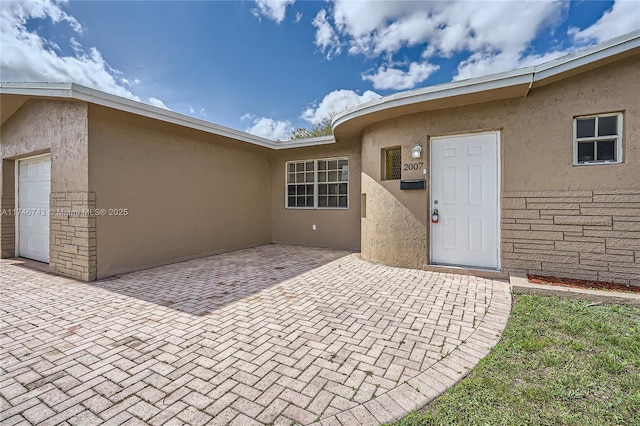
x=270, y=335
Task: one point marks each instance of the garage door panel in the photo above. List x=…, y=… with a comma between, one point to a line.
x=35, y=246
x=32, y=170
x=34, y=187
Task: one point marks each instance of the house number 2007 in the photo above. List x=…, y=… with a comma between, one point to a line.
x=413, y=166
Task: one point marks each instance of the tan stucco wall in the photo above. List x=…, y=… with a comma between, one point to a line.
x=536, y=153
x=538, y=133
x=56, y=126
x=335, y=228
x=188, y=194
x=394, y=222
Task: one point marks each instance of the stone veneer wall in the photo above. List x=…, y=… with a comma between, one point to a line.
x=72, y=245
x=7, y=227
x=593, y=235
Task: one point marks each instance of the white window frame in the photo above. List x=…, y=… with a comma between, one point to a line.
x=315, y=184
x=596, y=138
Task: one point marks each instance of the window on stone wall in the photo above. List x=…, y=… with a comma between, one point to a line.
x=392, y=163
x=318, y=183
x=597, y=139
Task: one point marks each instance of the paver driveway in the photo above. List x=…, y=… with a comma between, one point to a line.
x=273, y=334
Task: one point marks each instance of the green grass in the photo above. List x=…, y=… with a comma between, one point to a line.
x=560, y=362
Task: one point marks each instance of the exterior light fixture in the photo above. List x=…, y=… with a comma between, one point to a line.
x=416, y=152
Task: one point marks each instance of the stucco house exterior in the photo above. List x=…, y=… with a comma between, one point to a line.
x=535, y=170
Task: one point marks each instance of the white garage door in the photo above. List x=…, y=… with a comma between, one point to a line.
x=464, y=190
x=34, y=186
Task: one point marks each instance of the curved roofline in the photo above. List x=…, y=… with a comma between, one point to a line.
x=527, y=78
x=82, y=93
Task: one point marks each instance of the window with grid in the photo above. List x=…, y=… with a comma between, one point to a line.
x=598, y=139
x=392, y=158
x=301, y=184
x=318, y=183
x=333, y=177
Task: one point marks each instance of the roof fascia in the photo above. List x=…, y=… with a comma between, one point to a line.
x=459, y=88
x=123, y=104
x=82, y=93
x=301, y=143
x=589, y=55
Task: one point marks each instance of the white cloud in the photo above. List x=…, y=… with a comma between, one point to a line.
x=203, y=112
x=336, y=102
x=365, y=17
x=481, y=63
x=496, y=33
x=326, y=38
x=501, y=26
x=298, y=17
x=271, y=129
x=128, y=82
x=622, y=18
x=28, y=57
x=158, y=103
x=372, y=27
x=191, y=110
x=24, y=10
x=410, y=31
x=75, y=45
x=398, y=79
x=272, y=9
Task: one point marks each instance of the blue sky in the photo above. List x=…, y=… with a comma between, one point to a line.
x=268, y=67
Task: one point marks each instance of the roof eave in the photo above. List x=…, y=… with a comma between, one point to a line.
x=460, y=92
x=582, y=60
x=86, y=94
x=301, y=143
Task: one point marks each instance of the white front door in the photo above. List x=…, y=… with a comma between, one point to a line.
x=464, y=190
x=34, y=186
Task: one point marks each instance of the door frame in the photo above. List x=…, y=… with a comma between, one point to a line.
x=17, y=201
x=498, y=134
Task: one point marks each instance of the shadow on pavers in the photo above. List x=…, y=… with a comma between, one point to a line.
x=201, y=286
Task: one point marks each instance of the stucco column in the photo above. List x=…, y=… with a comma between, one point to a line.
x=72, y=244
